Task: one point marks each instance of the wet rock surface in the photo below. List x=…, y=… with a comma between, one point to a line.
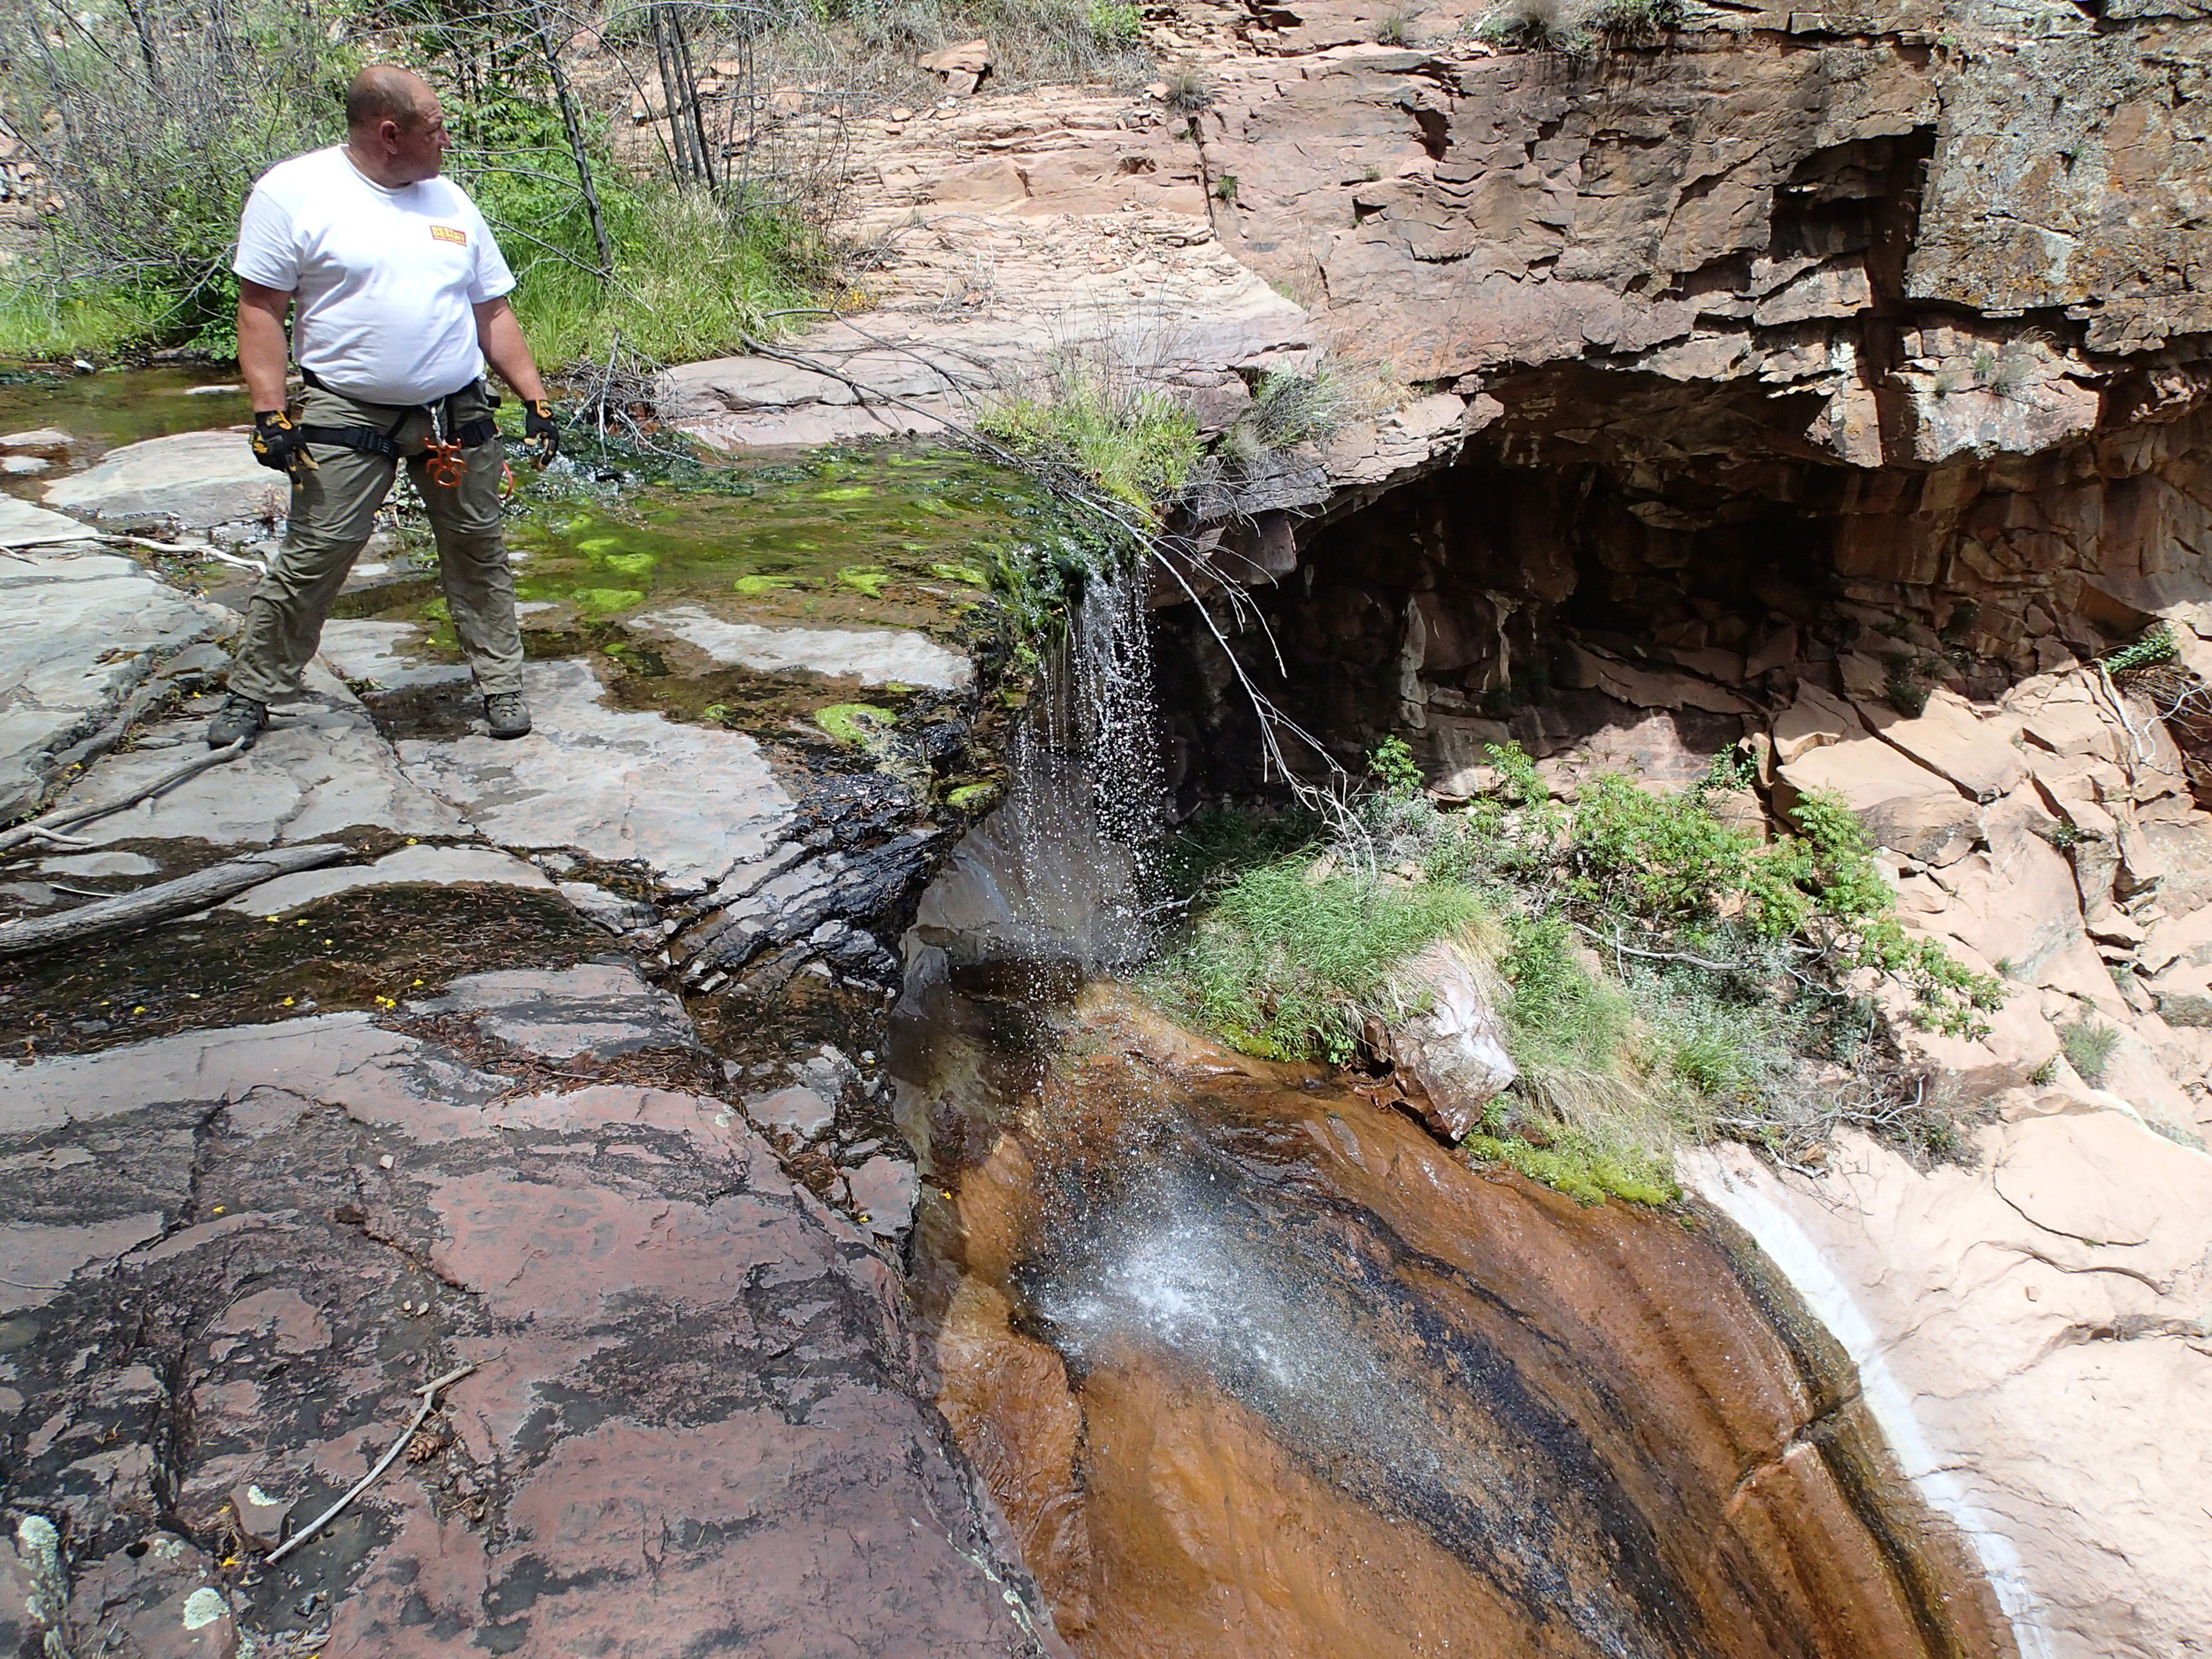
x=690, y=1425
x=1255, y=1367
x=191, y=480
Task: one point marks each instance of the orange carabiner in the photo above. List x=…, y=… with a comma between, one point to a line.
x=445, y=463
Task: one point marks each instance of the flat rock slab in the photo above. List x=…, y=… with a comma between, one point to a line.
x=79, y=632
x=360, y=649
x=799, y=1111
x=435, y=867
x=37, y=438
x=22, y=525
x=875, y=656
x=597, y=1009
x=689, y=800
x=194, y=480
x=1903, y=805
x=320, y=770
x=693, y=1426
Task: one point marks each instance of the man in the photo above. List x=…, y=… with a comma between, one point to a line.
x=400, y=293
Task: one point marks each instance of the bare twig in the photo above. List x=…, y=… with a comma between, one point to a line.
x=1619, y=949
x=429, y=1391
x=45, y=828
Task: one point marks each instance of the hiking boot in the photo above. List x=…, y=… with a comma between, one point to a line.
x=508, y=714
x=238, y=717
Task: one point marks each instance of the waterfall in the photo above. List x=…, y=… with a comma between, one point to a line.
x=1066, y=871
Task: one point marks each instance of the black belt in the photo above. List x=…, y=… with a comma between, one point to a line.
x=369, y=441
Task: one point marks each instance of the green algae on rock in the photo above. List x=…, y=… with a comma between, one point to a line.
x=855, y=725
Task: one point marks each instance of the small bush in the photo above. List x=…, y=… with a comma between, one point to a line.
x=1395, y=30
x=1188, y=91
x=2088, y=1043
x=1638, y=20
x=1662, y=977
x=1290, y=967
x=1537, y=25
x=1225, y=187
x=1116, y=25
x=2154, y=647
x=1286, y=410
x=1904, y=686
x=1390, y=764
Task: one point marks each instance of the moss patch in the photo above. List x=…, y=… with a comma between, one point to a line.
x=855, y=725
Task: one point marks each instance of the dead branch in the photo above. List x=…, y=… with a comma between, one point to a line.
x=429, y=1391
x=128, y=912
x=45, y=828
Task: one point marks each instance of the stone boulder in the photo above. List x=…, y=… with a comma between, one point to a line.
x=191, y=480
x=962, y=68
x=1454, y=1051
x=1949, y=740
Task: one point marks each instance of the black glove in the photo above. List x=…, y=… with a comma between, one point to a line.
x=277, y=444
x=538, y=427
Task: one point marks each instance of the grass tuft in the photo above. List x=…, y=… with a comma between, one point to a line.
x=2088, y=1043
x=1290, y=966
x=1135, y=443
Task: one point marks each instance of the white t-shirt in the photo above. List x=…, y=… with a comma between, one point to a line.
x=385, y=278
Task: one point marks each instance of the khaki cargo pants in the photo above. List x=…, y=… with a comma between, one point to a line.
x=334, y=509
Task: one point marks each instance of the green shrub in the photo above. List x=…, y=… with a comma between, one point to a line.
x=1664, y=978
x=1289, y=967
x=153, y=148
x=1638, y=20
x=2153, y=647
x=1390, y=764
x=1116, y=25
x=1395, y=30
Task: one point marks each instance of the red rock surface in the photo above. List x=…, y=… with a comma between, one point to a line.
x=691, y=1428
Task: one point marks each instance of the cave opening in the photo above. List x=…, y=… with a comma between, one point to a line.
x=1627, y=567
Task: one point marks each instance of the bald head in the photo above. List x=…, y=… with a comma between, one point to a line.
x=385, y=92
x=394, y=130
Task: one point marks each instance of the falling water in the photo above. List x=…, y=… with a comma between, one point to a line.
x=1064, y=872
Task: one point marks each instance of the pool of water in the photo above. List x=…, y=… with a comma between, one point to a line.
x=119, y=406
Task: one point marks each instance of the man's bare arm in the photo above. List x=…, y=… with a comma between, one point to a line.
x=261, y=349
x=499, y=334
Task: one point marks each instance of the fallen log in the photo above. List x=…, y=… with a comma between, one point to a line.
x=127, y=912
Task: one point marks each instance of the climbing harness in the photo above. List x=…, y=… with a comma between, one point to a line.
x=443, y=456
x=444, y=452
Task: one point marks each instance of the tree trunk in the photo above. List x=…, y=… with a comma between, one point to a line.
x=574, y=129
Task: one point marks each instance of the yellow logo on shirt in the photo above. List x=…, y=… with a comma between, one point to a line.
x=447, y=232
